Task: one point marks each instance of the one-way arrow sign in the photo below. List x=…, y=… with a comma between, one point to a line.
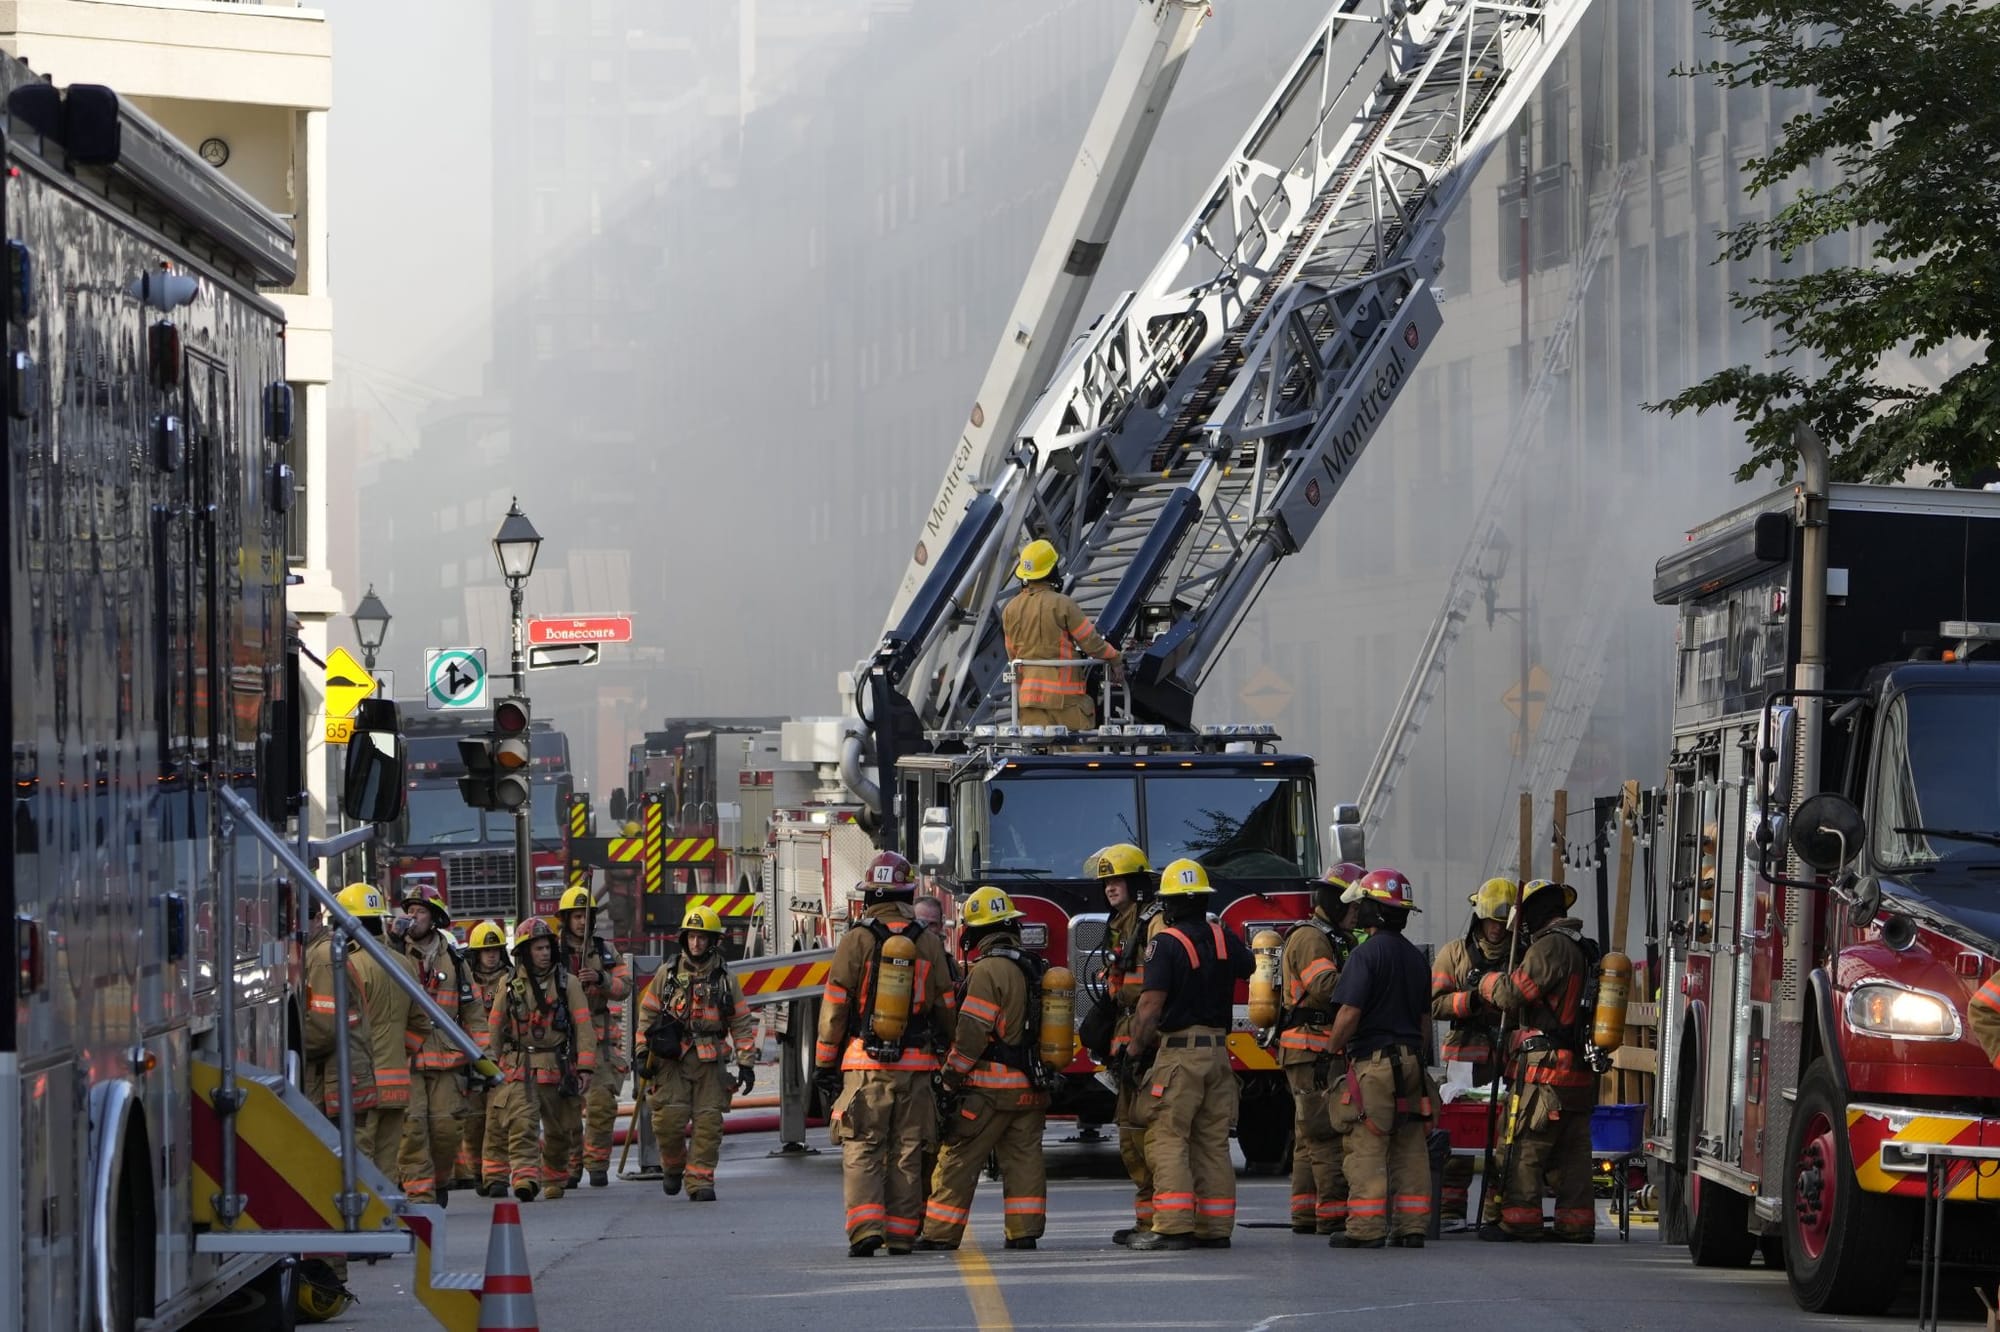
x=546, y=658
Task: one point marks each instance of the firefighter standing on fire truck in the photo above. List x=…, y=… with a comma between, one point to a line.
x=1472, y=1032
x=1555, y=1089
x=481, y=1165
x=546, y=1047
x=1188, y=1099
x=605, y=979
x=994, y=1108
x=878, y=1062
x=1129, y=890
x=396, y=1031
x=1042, y=623
x=435, y=1125
x=1314, y=954
x=688, y=1010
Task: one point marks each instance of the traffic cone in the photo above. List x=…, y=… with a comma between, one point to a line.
x=507, y=1296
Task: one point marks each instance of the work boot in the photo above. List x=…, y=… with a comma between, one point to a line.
x=1407, y=1242
x=1501, y=1235
x=527, y=1192
x=1330, y=1228
x=444, y=1198
x=864, y=1246
x=1123, y=1238
x=1349, y=1242
x=1574, y=1236
x=935, y=1246
x=898, y=1250
x=670, y=1183
x=1027, y=1242
x=552, y=1193
x=1211, y=1242
x=599, y=1178
x=1148, y=1240
x=701, y=1195
x=1304, y=1228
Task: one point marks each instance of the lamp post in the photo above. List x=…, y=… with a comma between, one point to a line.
x=371, y=626
x=515, y=546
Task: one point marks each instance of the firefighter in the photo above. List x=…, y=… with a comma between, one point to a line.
x=483, y=1166
x=323, y=1293
x=396, y=1031
x=1554, y=1089
x=547, y=1048
x=1187, y=1100
x=605, y=979
x=1985, y=1018
x=1129, y=884
x=995, y=1103
x=1314, y=954
x=1472, y=1033
x=929, y=912
x=1041, y=623
x=435, y=1124
x=1385, y=1101
x=689, y=1009
x=875, y=1064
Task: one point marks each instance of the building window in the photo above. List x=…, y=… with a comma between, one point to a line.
x=296, y=524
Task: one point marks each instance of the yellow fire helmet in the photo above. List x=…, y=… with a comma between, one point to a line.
x=363, y=900
x=1495, y=899
x=1183, y=878
x=576, y=899
x=988, y=906
x=1038, y=561
x=629, y=828
x=487, y=934
x=1117, y=861
x=1535, y=887
x=702, y=918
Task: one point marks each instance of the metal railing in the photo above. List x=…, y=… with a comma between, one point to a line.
x=1111, y=691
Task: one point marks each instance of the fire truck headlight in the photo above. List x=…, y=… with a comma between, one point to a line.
x=1877, y=1008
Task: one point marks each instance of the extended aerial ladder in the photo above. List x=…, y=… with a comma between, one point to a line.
x=1427, y=674
x=1197, y=434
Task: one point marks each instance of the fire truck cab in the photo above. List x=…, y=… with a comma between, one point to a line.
x=1831, y=866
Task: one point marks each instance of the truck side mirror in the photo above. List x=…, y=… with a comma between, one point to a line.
x=617, y=804
x=934, y=840
x=1827, y=831
x=372, y=788
x=1346, y=836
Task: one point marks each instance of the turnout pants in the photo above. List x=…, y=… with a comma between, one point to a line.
x=1011, y=1137
x=514, y=1112
x=1387, y=1161
x=1552, y=1136
x=378, y=1135
x=1132, y=1150
x=469, y=1166
x=690, y=1089
x=600, y=1113
x=1186, y=1104
x=1319, y=1182
x=884, y=1121
x=433, y=1127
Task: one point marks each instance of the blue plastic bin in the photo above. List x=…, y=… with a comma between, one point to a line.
x=1617, y=1129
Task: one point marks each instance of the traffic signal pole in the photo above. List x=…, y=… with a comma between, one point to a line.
x=524, y=870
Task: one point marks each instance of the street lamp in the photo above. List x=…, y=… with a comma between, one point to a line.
x=371, y=626
x=515, y=546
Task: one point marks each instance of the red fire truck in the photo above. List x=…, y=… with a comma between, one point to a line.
x=1831, y=853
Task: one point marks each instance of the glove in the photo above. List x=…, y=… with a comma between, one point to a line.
x=746, y=1078
x=828, y=1080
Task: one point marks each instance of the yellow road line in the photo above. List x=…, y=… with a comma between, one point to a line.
x=982, y=1289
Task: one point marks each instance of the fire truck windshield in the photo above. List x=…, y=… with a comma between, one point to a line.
x=1240, y=826
x=439, y=816
x=1937, y=779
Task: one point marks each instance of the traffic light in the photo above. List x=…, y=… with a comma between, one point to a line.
x=477, y=784
x=511, y=778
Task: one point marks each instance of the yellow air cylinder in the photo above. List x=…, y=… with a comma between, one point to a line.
x=1268, y=946
x=895, y=981
x=1614, y=985
x=1058, y=1034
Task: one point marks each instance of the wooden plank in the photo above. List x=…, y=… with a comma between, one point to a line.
x=1527, y=842
x=1628, y=828
x=1558, y=871
x=1642, y=1015
x=1635, y=1059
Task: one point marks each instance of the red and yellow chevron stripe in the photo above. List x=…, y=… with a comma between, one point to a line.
x=579, y=827
x=290, y=1178
x=1868, y=1127
x=725, y=904
x=626, y=850
x=689, y=850
x=796, y=976
x=1246, y=1053
x=655, y=835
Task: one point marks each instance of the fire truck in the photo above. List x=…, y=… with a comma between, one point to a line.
x=468, y=854
x=1832, y=844
x=163, y=1164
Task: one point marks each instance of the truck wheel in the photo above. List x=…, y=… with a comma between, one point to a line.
x=1718, y=1224
x=1845, y=1248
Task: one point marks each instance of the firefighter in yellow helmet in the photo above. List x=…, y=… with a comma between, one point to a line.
x=1555, y=1090
x=1129, y=892
x=875, y=1057
x=995, y=1103
x=435, y=1125
x=547, y=1051
x=1188, y=1099
x=606, y=978
x=1472, y=1031
x=1314, y=954
x=692, y=1013
x=396, y=1031
x=483, y=1165
x=1042, y=623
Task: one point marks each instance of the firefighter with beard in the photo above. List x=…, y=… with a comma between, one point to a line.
x=690, y=1008
x=547, y=1049
x=1189, y=1097
x=1472, y=1033
x=483, y=1165
x=1554, y=1088
x=435, y=1124
x=1314, y=954
x=1129, y=884
x=994, y=1105
x=884, y=1007
x=605, y=979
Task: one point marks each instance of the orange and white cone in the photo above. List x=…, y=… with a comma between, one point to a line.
x=507, y=1296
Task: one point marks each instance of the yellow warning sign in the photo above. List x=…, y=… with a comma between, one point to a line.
x=1538, y=697
x=347, y=683
x=1266, y=694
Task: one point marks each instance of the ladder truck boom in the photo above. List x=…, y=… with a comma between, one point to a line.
x=1120, y=131
x=1198, y=433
